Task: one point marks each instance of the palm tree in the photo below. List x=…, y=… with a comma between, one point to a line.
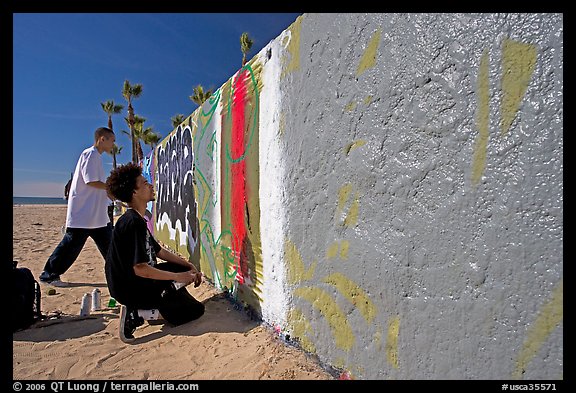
x=200, y=96
x=146, y=135
x=136, y=135
x=150, y=137
x=245, y=46
x=129, y=92
x=177, y=120
x=115, y=150
x=112, y=109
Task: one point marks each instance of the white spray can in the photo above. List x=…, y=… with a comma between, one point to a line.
x=85, y=305
x=96, y=301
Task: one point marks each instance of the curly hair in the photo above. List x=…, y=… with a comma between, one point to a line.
x=122, y=181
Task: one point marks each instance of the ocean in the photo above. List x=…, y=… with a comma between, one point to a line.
x=38, y=201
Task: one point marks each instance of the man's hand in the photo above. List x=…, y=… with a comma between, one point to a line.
x=185, y=277
x=197, y=279
x=198, y=276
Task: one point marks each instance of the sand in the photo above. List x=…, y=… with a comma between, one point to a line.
x=224, y=344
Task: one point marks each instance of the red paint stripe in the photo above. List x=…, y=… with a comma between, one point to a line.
x=238, y=172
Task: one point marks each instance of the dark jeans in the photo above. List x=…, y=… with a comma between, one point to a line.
x=176, y=306
x=72, y=243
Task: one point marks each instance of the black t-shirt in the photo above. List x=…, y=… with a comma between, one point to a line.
x=131, y=244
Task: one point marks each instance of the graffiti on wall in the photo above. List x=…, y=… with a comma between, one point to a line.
x=176, y=223
x=226, y=179
x=148, y=171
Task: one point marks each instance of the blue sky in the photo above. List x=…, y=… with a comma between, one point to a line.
x=65, y=65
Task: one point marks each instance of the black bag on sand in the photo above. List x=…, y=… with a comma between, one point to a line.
x=25, y=298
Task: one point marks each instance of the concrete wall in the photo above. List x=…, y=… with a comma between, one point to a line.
x=386, y=189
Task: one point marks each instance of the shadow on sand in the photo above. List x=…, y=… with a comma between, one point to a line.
x=220, y=316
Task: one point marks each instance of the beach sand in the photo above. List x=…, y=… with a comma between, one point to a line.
x=224, y=344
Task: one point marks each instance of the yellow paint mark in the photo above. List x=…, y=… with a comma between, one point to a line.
x=352, y=216
x=321, y=301
x=350, y=107
x=518, y=62
x=332, y=251
x=340, y=363
x=369, y=57
x=293, y=49
x=550, y=316
x=300, y=328
x=282, y=125
x=354, y=145
x=479, y=160
x=354, y=294
x=392, y=341
x=368, y=100
x=343, y=195
x=344, y=249
x=296, y=270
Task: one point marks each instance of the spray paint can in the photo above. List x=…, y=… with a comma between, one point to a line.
x=96, y=301
x=85, y=305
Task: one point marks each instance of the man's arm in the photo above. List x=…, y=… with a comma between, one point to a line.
x=101, y=186
x=171, y=257
x=98, y=184
x=146, y=271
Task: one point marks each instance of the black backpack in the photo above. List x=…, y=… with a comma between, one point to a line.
x=67, y=187
x=25, y=298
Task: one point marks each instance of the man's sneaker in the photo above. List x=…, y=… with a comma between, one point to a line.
x=48, y=278
x=129, y=321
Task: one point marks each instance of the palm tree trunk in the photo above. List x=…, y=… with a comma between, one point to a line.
x=131, y=124
x=140, y=151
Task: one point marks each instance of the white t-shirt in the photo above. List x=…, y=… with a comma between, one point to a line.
x=87, y=205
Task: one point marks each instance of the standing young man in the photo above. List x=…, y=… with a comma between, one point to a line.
x=87, y=213
x=134, y=277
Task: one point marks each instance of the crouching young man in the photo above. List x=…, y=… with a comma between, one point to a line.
x=134, y=277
